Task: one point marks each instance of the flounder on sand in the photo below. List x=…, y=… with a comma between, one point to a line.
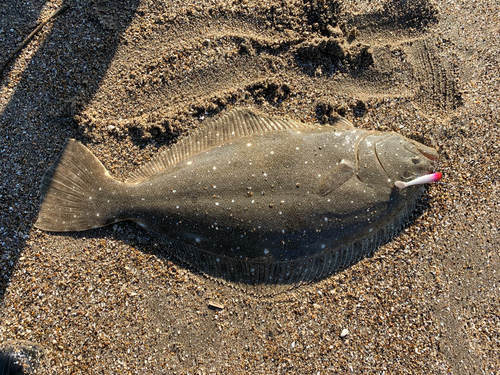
x=254, y=200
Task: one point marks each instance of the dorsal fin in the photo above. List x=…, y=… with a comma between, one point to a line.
x=233, y=125
x=342, y=123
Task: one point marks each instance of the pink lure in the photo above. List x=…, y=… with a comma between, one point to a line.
x=426, y=179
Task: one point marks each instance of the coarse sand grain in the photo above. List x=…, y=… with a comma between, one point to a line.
x=128, y=78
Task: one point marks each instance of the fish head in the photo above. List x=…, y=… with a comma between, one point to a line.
x=386, y=158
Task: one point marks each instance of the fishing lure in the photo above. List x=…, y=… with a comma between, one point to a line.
x=426, y=179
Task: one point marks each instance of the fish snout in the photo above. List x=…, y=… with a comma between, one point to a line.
x=427, y=152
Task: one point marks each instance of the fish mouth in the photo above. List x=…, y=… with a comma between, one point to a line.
x=427, y=152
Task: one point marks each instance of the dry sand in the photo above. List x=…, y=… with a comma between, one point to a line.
x=128, y=78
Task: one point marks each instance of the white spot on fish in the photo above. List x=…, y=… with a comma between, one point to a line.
x=249, y=144
x=388, y=180
x=99, y=189
x=272, y=152
x=189, y=162
x=90, y=197
x=176, y=206
x=326, y=219
x=216, y=203
x=97, y=215
x=143, y=199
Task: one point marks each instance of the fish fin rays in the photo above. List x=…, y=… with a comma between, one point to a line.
x=69, y=191
x=342, y=123
x=340, y=175
x=229, y=127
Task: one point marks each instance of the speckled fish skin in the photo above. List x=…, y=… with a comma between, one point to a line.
x=268, y=206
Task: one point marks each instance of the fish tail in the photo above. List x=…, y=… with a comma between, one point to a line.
x=73, y=192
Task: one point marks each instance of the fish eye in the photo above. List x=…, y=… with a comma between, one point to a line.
x=416, y=160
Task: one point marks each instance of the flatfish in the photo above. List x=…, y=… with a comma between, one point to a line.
x=251, y=199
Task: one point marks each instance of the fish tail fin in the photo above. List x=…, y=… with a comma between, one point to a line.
x=72, y=192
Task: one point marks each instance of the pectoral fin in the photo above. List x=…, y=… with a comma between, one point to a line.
x=343, y=172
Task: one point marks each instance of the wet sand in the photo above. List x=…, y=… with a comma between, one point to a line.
x=128, y=78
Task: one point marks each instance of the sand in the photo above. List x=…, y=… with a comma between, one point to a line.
x=128, y=78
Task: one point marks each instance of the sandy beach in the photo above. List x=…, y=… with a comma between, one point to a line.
x=129, y=78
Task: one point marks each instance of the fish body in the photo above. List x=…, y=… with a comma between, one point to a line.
x=251, y=199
